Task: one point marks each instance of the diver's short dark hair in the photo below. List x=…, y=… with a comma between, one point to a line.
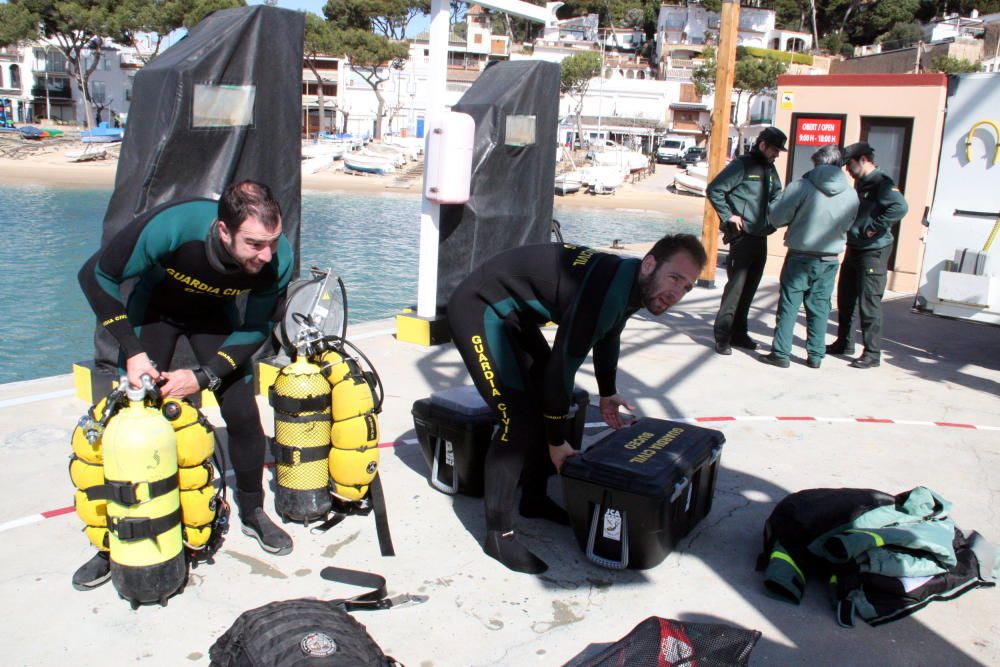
x=671, y=244
x=248, y=198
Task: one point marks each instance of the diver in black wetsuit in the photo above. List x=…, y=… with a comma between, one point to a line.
x=193, y=258
x=495, y=316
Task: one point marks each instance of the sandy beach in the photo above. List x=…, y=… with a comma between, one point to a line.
x=30, y=163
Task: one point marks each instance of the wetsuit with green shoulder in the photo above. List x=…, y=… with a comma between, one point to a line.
x=187, y=286
x=495, y=316
x=187, y=276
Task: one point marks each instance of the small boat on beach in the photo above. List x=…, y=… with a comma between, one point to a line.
x=102, y=135
x=314, y=150
x=396, y=154
x=368, y=163
x=87, y=154
x=693, y=180
x=568, y=183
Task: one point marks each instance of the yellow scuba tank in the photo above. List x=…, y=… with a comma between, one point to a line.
x=86, y=470
x=148, y=563
x=300, y=397
x=200, y=501
x=354, y=454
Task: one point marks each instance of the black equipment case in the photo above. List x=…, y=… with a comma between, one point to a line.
x=634, y=495
x=455, y=426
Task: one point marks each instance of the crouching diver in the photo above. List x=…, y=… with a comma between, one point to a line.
x=495, y=316
x=193, y=258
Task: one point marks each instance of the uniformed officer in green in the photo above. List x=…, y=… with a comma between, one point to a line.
x=741, y=194
x=866, y=262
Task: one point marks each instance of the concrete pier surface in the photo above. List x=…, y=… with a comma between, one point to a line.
x=929, y=415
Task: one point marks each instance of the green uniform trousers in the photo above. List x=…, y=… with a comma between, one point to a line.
x=861, y=285
x=809, y=281
x=747, y=256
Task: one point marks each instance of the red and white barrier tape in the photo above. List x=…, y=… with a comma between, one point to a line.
x=50, y=514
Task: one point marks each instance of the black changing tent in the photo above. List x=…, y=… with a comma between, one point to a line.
x=221, y=105
x=513, y=181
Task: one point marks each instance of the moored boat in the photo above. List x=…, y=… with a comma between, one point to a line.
x=368, y=163
x=102, y=135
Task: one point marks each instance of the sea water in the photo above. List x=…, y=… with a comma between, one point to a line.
x=370, y=240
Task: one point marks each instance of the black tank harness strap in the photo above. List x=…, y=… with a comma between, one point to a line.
x=290, y=405
x=375, y=599
x=381, y=518
x=130, y=529
x=374, y=502
x=292, y=455
x=126, y=493
x=305, y=418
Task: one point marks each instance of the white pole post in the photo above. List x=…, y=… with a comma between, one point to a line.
x=437, y=88
x=430, y=213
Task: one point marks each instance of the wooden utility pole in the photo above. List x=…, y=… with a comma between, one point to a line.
x=718, y=142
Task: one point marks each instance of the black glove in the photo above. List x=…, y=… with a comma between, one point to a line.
x=730, y=232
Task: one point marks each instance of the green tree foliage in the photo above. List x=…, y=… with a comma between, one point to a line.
x=577, y=72
x=837, y=43
x=704, y=74
x=17, y=23
x=78, y=28
x=388, y=18
x=752, y=77
x=368, y=33
x=320, y=39
x=949, y=65
x=901, y=35
x=159, y=18
x=875, y=18
x=372, y=58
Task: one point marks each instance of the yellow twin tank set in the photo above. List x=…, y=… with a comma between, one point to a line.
x=326, y=433
x=145, y=491
x=326, y=404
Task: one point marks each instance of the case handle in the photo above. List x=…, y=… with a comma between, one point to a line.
x=450, y=489
x=599, y=560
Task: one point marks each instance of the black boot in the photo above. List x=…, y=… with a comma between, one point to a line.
x=504, y=547
x=93, y=573
x=542, y=507
x=257, y=525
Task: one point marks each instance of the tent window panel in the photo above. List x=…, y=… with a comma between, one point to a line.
x=223, y=106
x=520, y=131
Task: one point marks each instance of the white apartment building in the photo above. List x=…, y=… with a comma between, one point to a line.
x=12, y=82
x=686, y=24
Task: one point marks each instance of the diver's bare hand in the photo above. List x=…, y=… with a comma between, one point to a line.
x=609, y=411
x=138, y=365
x=560, y=453
x=180, y=384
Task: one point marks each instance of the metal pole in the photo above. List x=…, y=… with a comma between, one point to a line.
x=48, y=107
x=437, y=88
x=430, y=213
x=725, y=68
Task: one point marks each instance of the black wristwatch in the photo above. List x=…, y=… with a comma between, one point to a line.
x=207, y=379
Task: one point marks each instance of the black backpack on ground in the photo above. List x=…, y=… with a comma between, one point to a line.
x=311, y=633
x=296, y=633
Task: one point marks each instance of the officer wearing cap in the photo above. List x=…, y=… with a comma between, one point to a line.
x=869, y=244
x=741, y=194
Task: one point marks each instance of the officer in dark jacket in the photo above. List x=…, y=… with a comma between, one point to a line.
x=869, y=244
x=741, y=194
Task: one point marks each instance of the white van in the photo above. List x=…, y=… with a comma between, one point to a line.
x=671, y=150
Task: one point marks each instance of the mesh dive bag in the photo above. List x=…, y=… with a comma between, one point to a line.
x=660, y=642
